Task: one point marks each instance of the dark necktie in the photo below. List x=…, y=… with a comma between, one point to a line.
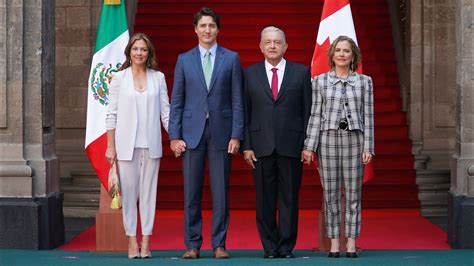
x=275, y=83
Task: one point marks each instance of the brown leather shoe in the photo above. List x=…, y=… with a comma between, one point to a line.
x=191, y=254
x=221, y=253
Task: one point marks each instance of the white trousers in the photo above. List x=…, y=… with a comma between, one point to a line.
x=138, y=183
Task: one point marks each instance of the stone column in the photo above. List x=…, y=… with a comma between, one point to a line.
x=461, y=194
x=30, y=201
x=431, y=77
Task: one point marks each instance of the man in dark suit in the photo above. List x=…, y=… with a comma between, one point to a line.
x=277, y=106
x=206, y=119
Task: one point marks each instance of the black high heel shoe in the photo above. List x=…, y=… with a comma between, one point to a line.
x=333, y=254
x=352, y=255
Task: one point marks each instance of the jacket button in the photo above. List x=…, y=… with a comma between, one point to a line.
x=348, y=116
x=346, y=104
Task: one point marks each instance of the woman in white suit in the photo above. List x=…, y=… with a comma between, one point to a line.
x=138, y=99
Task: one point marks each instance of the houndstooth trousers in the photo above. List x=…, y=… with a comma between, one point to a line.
x=340, y=160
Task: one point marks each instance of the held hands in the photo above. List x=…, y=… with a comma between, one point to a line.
x=178, y=146
x=110, y=154
x=249, y=157
x=234, y=146
x=307, y=157
x=366, y=157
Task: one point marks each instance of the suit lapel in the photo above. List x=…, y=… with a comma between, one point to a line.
x=263, y=79
x=218, y=62
x=130, y=81
x=286, y=78
x=198, y=67
x=150, y=86
x=131, y=88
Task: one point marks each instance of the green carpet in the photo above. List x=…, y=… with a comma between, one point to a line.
x=239, y=257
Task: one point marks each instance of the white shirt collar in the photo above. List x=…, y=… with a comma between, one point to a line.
x=280, y=66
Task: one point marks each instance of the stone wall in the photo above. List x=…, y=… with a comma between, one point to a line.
x=76, y=24
x=461, y=194
x=431, y=64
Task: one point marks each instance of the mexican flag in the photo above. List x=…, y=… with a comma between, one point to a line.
x=336, y=20
x=112, y=38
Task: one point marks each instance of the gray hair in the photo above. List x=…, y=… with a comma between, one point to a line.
x=273, y=29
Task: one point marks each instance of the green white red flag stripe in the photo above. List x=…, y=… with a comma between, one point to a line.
x=111, y=40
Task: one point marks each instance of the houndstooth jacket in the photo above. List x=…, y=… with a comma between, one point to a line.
x=329, y=100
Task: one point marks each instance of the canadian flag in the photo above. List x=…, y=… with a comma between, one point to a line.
x=336, y=20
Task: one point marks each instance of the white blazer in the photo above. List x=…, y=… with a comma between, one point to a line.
x=122, y=112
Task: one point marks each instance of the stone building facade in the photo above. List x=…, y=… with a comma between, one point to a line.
x=30, y=198
x=439, y=91
x=45, y=52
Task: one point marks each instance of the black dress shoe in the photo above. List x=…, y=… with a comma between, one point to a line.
x=351, y=255
x=270, y=255
x=287, y=255
x=333, y=255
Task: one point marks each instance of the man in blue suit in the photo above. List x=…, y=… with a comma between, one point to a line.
x=206, y=119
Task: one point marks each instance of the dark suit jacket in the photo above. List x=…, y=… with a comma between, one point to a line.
x=190, y=100
x=276, y=125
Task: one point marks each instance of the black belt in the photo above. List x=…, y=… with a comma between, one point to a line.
x=344, y=125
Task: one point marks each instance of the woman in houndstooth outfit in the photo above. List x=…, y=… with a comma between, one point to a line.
x=341, y=132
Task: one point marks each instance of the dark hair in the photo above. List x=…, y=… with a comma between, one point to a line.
x=206, y=11
x=357, y=57
x=151, y=60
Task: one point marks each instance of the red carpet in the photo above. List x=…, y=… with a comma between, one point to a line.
x=381, y=229
x=170, y=28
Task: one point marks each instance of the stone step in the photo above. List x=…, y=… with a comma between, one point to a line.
x=435, y=203
x=79, y=189
x=91, y=203
x=81, y=196
x=81, y=201
x=433, y=180
x=432, y=195
x=80, y=212
x=434, y=172
x=434, y=187
x=434, y=211
x=85, y=178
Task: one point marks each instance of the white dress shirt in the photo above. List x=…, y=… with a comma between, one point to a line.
x=141, y=140
x=280, y=71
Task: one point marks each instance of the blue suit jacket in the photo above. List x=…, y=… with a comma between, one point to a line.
x=191, y=101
